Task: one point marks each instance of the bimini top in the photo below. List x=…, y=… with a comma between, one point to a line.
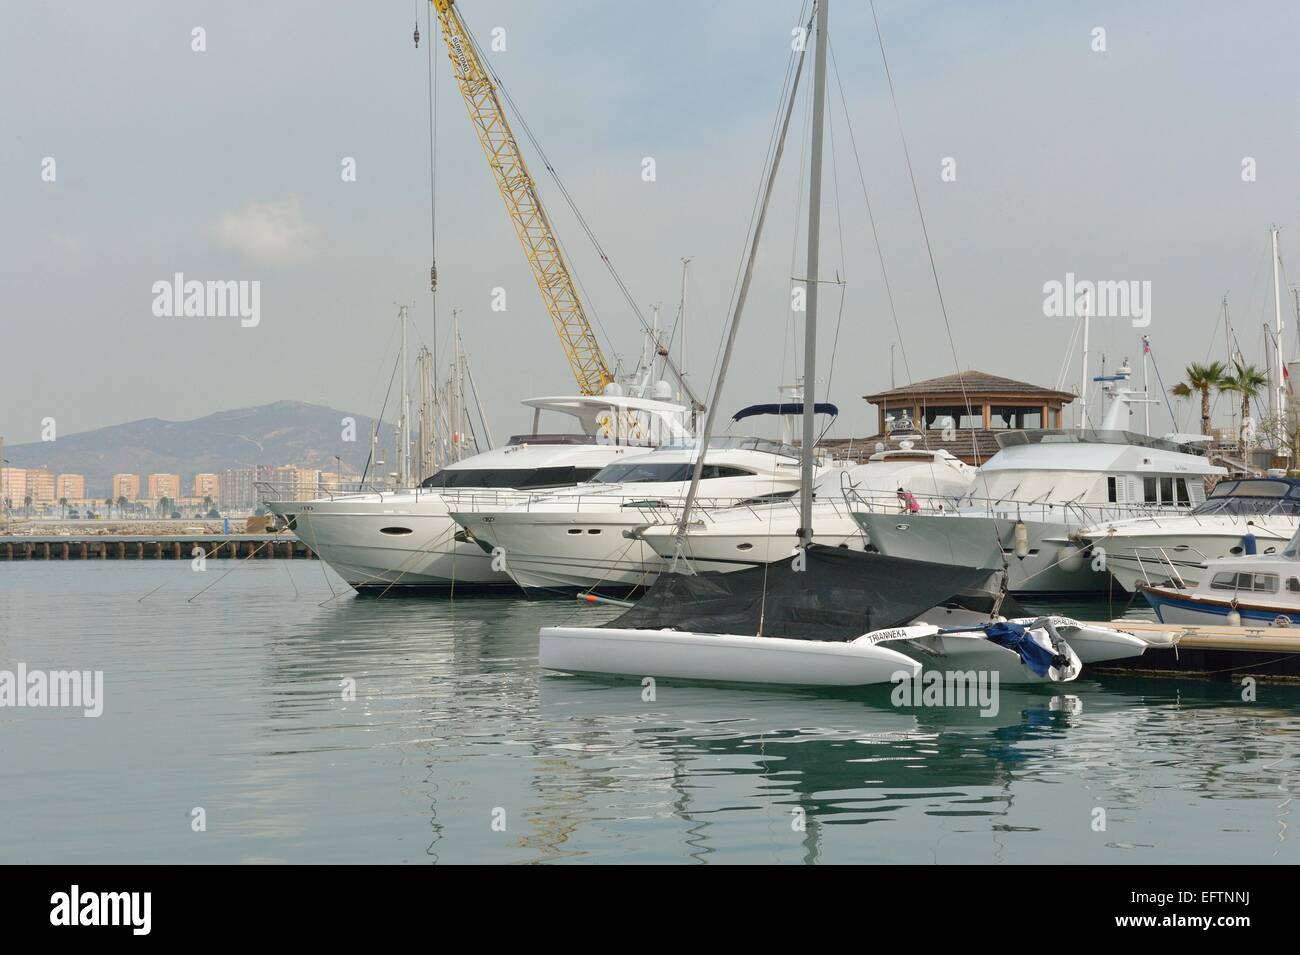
x=787, y=407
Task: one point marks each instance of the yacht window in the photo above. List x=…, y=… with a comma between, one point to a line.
x=509, y=477
x=1293, y=585
x=632, y=472
x=1226, y=581
x=1183, y=497
x=1110, y=490
x=1166, y=490
x=1149, y=490
x=1266, y=583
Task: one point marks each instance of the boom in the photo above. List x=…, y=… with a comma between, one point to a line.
x=525, y=207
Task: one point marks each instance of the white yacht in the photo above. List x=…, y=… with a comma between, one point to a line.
x=405, y=541
x=1249, y=590
x=733, y=538
x=581, y=538
x=1041, y=488
x=1240, y=517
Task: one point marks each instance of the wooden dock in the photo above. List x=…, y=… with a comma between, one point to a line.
x=152, y=547
x=1211, y=652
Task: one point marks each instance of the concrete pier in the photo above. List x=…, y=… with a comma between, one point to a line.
x=145, y=547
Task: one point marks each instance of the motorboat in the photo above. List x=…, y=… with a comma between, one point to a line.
x=1246, y=590
x=759, y=532
x=1240, y=517
x=405, y=541
x=580, y=538
x=1042, y=487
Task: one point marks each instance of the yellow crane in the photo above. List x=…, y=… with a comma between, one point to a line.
x=525, y=207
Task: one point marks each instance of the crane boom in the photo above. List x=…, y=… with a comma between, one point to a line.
x=532, y=225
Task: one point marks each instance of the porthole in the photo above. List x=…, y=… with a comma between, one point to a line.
x=744, y=547
x=396, y=531
x=575, y=530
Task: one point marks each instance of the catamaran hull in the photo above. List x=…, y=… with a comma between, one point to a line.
x=361, y=547
x=720, y=658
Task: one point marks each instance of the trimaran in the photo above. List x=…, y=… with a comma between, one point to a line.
x=828, y=616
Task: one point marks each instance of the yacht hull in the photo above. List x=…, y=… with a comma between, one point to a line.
x=1147, y=558
x=551, y=554
x=358, y=543
x=1178, y=607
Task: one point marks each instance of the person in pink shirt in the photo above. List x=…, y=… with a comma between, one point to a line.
x=908, y=502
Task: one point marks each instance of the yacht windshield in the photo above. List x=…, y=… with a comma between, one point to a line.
x=1253, y=496
x=509, y=477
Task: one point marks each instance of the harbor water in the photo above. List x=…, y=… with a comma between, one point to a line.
x=260, y=712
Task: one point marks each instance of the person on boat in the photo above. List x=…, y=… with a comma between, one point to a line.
x=907, y=500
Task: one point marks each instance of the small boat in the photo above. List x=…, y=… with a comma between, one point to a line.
x=1260, y=590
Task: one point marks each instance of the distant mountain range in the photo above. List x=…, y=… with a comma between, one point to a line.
x=284, y=432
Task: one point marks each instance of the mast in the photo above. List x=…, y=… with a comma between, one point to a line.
x=1279, y=392
x=404, y=425
x=682, y=309
x=1083, y=372
x=1146, y=385
x=814, y=250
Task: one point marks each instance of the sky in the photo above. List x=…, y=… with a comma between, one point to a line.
x=225, y=164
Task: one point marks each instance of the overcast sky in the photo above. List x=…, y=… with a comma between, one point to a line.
x=225, y=164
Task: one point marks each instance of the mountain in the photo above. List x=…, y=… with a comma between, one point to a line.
x=284, y=432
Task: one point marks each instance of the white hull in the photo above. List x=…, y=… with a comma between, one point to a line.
x=565, y=552
x=349, y=536
x=674, y=654
x=1146, y=558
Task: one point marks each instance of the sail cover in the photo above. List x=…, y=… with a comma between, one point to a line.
x=839, y=595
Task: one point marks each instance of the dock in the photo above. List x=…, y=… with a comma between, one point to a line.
x=152, y=547
x=1211, y=652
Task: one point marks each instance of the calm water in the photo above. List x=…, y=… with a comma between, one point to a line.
x=232, y=702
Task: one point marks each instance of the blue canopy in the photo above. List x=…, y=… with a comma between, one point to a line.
x=788, y=407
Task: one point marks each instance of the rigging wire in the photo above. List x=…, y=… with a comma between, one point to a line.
x=925, y=232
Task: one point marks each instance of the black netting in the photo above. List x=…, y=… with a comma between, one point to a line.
x=840, y=595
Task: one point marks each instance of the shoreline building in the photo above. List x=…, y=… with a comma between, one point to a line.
x=961, y=413
x=164, y=485
x=70, y=487
x=126, y=486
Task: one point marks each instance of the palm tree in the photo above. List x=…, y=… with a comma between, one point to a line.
x=1249, y=382
x=1200, y=379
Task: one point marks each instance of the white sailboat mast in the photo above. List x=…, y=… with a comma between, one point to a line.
x=814, y=250
x=1279, y=392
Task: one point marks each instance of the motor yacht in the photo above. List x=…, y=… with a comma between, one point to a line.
x=1239, y=517
x=405, y=541
x=582, y=539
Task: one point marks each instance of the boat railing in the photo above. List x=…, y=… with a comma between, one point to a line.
x=268, y=491
x=1157, y=555
x=662, y=506
x=1062, y=512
